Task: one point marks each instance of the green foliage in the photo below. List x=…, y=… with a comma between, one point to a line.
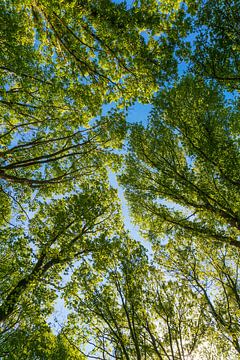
x=216, y=54
x=36, y=341
x=69, y=71
x=60, y=64
x=213, y=273
x=58, y=234
x=133, y=312
x=183, y=168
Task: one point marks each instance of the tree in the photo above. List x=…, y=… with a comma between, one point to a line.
x=60, y=233
x=66, y=66
x=134, y=312
x=213, y=273
x=215, y=53
x=182, y=184
x=181, y=176
x=36, y=341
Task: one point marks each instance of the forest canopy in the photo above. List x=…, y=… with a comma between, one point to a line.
x=70, y=73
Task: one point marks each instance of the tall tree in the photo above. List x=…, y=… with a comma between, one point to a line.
x=134, y=312
x=182, y=175
x=213, y=273
x=60, y=233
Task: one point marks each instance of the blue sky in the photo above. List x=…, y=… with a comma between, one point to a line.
x=139, y=113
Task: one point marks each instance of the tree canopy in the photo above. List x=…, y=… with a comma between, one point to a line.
x=188, y=156
x=69, y=73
